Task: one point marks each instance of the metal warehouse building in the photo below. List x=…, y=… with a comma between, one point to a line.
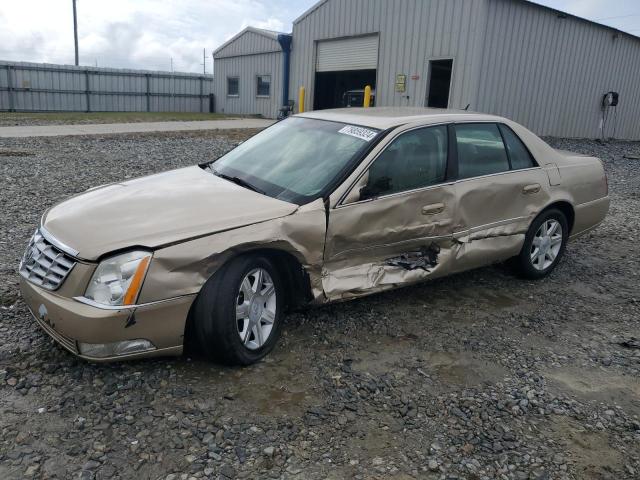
x=546, y=69
x=249, y=72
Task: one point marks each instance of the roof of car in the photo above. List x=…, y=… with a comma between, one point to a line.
x=389, y=117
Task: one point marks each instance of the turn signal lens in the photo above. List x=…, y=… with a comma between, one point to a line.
x=136, y=282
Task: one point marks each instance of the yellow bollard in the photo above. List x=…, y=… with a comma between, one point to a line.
x=301, y=100
x=367, y=96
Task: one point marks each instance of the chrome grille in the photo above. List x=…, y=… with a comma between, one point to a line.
x=45, y=264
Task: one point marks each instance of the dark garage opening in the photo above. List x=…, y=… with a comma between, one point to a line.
x=330, y=86
x=439, y=83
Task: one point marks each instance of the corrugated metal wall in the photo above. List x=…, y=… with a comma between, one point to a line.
x=246, y=57
x=550, y=73
x=411, y=33
x=510, y=57
x=247, y=68
x=46, y=87
x=248, y=43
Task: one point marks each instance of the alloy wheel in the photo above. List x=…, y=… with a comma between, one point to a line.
x=255, y=308
x=546, y=244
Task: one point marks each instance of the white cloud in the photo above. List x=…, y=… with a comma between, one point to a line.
x=133, y=34
x=148, y=33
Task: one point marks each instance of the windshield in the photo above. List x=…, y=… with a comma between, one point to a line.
x=295, y=160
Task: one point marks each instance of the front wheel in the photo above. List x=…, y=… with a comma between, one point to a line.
x=544, y=244
x=238, y=314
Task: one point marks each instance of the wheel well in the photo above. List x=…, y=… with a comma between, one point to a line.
x=297, y=282
x=567, y=209
x=297, y=286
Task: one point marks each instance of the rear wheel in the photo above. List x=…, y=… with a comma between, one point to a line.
x=544, y=244
x=237, y=316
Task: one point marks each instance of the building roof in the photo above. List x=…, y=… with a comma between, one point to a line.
x=389, y=117
x=560, y=13
x=271, y=34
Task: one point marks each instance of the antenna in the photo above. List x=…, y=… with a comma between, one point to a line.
x=204, y=61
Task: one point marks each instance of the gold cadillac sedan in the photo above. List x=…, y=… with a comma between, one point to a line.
x=321, y=207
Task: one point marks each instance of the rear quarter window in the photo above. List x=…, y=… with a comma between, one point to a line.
x=518, y=153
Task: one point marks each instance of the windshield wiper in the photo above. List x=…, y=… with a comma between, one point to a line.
x=237, y=181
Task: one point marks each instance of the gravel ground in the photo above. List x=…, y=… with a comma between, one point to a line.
x=476, y=376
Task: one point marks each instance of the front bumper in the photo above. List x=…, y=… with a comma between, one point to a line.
x=70, y=322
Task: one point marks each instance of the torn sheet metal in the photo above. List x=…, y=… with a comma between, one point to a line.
x=425, y=259
x=182, y=269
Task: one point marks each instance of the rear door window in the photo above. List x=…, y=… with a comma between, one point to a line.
x=480, y=150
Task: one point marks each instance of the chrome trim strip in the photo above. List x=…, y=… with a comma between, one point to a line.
x=429, y=187
x=497, y=174
x=57, y=243
x=93, y=303
x=395, y=194
x=396, y=244
x=487, y=226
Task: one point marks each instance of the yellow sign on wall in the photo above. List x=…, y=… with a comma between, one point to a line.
x=401, y=83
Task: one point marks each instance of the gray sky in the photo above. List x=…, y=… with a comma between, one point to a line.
x=148, y=33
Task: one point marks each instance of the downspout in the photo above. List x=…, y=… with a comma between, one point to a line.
x=284, y=40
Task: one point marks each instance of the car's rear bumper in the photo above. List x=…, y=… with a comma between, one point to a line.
x=71, y=323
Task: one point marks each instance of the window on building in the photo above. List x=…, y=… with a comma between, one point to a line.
x=518, y=153
x=415, y=159
x=480, y=150
x=263, y=85
x=233, y=86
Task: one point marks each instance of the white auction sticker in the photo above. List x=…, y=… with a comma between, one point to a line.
x=358, y=132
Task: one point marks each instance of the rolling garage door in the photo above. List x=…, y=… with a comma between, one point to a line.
x=354, y=53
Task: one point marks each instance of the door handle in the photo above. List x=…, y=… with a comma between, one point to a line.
x=530, y=189
x=433, y=209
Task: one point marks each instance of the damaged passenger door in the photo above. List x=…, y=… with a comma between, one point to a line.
x=500, y=189
x=394, y=225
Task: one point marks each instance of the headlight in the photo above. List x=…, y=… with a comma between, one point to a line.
x=118, y=279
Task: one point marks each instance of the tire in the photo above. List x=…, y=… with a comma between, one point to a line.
x=535, y=266
x=228, y=308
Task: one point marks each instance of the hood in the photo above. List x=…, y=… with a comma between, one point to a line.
x=157, y=210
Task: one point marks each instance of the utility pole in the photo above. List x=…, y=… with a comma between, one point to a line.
x=171, y=64
x=75, y=29
x=204, y=61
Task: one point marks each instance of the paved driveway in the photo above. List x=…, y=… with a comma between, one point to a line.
x=101, y=129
